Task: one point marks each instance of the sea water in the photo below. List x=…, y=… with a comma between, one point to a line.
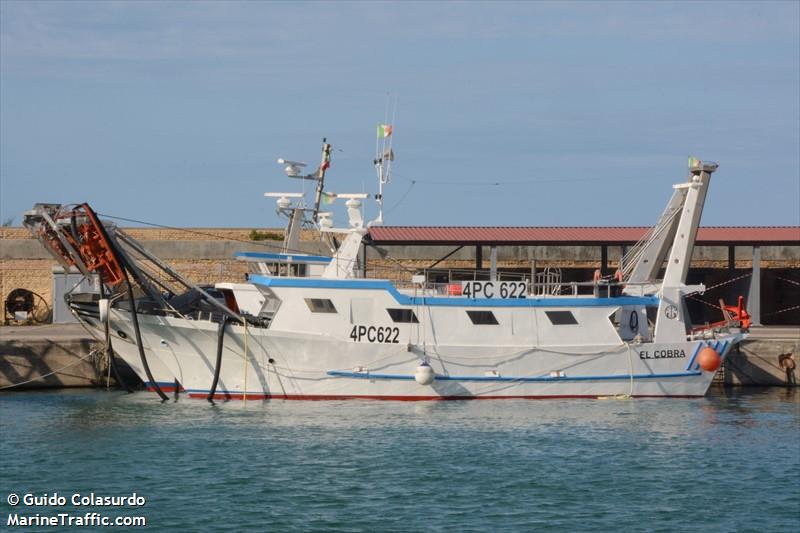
x=726, y=462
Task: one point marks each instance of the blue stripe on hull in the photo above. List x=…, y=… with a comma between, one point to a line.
x=363, y=375
x=694, y=356
x=364, y=284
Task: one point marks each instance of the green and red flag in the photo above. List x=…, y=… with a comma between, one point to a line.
x=384, y=130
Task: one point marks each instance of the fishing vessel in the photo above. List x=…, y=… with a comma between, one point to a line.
x=311, y=327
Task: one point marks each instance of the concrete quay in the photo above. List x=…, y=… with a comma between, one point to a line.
x=757, y=360
x=53, y=356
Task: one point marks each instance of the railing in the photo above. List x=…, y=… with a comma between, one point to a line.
x=548, y=282
x=453, y=289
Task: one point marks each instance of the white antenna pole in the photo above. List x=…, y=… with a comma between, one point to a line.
x=391, y=141
x=384, y=156
x=379, y=199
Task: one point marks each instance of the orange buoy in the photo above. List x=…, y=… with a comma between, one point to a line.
x=709, y=359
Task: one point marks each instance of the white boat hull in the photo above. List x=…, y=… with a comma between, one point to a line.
x=302, y=366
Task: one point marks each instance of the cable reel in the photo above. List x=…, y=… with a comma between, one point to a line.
x=23, y=305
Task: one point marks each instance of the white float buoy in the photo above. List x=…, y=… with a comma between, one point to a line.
x=424, y=374
x=102, y=309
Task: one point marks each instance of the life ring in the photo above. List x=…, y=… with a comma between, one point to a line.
x=633, y=321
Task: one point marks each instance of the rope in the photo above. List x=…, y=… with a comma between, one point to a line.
x=628, y=396
x=696, y=299
x=692, y=296
x=630, y=368
x=373, y=268
x=195, y=232
x=90, y=354
x=787, y=280
x=631, y=259
x=515, y=182
x=400, y=201
x=781, y=311
x=737, y=278
x=245, y=241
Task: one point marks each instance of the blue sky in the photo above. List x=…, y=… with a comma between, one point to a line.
x=584, y=113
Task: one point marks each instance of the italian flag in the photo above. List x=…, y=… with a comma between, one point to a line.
x=384, y=130
x=694, y=162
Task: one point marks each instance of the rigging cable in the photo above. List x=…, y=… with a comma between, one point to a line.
x=515, y=182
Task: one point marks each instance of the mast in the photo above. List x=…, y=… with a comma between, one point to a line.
x=323, y=166
x=296, y=214
x=673, y=321
x=383, y=165
x=683, y=245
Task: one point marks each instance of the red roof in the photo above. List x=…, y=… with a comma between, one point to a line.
x=573, y=235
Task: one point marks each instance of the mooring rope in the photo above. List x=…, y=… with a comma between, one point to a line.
x=718, y=285
x=90, y=354
x=693, y=295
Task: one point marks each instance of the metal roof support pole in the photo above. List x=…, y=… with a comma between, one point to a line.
x=478, y=257
x=603, y=259
x=754, y=297
x=731, y=258
x=493, y=263
x=363, y=260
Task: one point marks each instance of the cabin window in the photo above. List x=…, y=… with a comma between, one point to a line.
x=561, y=318
x=319, y=305
x=403, y=315
x=482, y=318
